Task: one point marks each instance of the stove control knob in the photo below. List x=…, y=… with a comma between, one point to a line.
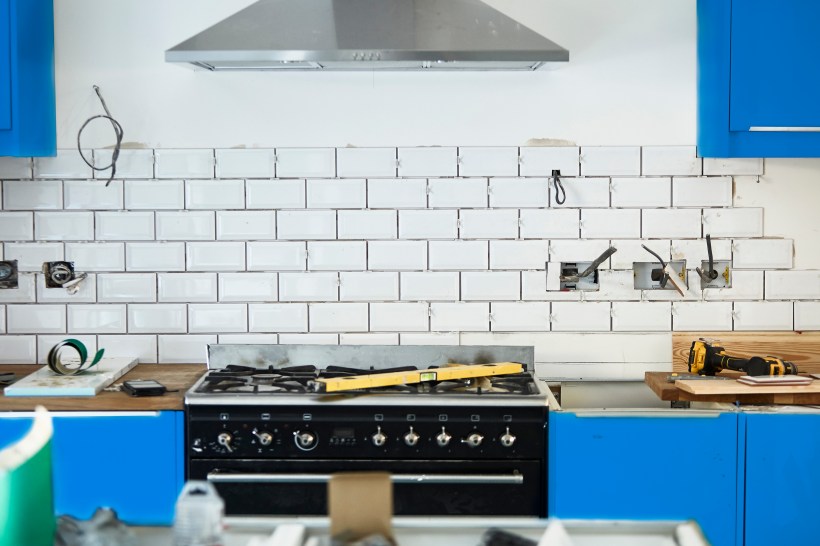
x=265, y=438
x=507, y=439
x=224, y=439
x=411, y=438
x=304, y=440
x=379, y=439
x=442, y=438
x=473, y=440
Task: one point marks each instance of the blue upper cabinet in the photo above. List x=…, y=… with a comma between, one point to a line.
x=27, y=106
x=758, y=78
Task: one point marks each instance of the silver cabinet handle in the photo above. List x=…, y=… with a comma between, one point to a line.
x=488, y=479
x=785, y=129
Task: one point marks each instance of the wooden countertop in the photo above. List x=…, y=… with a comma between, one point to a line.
x=669, y=392
x=178, y=377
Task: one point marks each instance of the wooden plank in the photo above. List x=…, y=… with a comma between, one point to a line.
x=669, y=392
x=706, y=388
x=802, y=348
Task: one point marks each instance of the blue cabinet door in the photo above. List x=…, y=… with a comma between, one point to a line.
x=646, y=467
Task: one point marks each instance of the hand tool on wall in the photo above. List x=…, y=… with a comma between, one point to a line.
x=569, y=277
x=708, y=359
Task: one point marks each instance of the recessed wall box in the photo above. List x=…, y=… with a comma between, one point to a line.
x=651, y=276
x=57, y=274
x=723, y=278
x=564, y=276
x=8, y=274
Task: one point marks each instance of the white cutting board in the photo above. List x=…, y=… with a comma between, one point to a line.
x=44, y=382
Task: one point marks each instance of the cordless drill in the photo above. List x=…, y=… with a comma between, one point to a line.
x=706, y=359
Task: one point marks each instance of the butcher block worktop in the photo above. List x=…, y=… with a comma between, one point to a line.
x=176, y=377
x=730, y=391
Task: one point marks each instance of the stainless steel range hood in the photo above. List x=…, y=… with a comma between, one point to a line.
x=368, y=35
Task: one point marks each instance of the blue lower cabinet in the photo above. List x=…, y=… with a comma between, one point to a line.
x=129, y=461
x=782, y=479
x=647, y=466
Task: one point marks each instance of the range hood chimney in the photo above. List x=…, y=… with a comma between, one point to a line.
x=368, y=35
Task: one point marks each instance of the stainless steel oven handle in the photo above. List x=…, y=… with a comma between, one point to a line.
x=485, y=479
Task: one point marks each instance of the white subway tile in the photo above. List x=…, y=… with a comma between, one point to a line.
x=24, y=293
x=460, y=316
x=580, y=316
x=399, y=317
x=155, y=256
x=368, y=286
x=308, y=287
x=308, y=339
x=762, y=253
x=86, y=292
x=187, y=349
x=367, y=224
x=641, y=316
x=764, y=315
x=542, y=160
x=631, y=251
x=369, y=339
x=215, y=194
x=428, y=224
x=305, y=162
x=607, y=223
x=614, y=286
x=518, y=254
x=337, y=255
x=184, y=163
x=702, y=191
x=401, y=193
x=277, y=317
x=671, y=223
x=217, y=318
x=243, y=339
x=337, y=194
x=520, y=316
x=577, y=251
x=66, y=164
x=275, y=194
x=306, y=224
x=245, y=225
x=220, y=256
x=691, y=292
x=126, y=287
x=491, y=285
x=64, y=226
x=459, y=255
x=278, y=256
x=488, y=224
x=338, y=317
x=806, y=315
x=141, y=347
x=12, y=168
x=670, y=160
x=239, y=163
x=366, y=162
x=187, y=287
x=488, y=161
x=641, y=192
x=137, y=163
x=746, y=285
x=457, y=192
x=185, y=226
x=124, y=226
x=431, y=338
x=2, y=319
x=154, y=194
x=96, y=256
x=534, y=288
x=430, y=286
x=18, y=349
x=30, y=256
x=92, y=194
x=695, y=251
x=550, y=224
x=433, y=161
x=792, y=285
x=46, y=342
x=35, y=319
x=733, y=166
x=610, y=160
x=397, y=255
x=519, y=192
x=699, y=316
x=105, y=318
x=16, y=226
x=582, y=193
x=157, y=318
x=733, y=222
x=32, y=194
x=243, y=287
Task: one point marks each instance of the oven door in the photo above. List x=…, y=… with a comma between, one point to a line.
x=438, y=488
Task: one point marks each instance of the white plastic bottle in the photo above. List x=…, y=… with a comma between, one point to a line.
x=199, y=512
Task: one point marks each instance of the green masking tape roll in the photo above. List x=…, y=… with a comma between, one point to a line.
x=55, y=360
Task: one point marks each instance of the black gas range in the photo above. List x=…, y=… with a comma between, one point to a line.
x=269, y=443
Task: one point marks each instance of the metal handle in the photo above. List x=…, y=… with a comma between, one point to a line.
x=486, y=479
x=793, y=129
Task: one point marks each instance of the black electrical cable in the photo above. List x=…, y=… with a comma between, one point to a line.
x=117, y=131
x=560, y=192
x=664, y=276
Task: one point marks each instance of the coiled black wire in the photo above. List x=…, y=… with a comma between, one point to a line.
x=117, y=131
x=560, y=192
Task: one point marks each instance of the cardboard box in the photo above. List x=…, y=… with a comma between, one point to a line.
x=360, y=504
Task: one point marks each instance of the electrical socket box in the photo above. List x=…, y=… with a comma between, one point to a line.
x=563, y=276
x=648, y=275
x=8, y=274
x=58, y=273
x=724, y=278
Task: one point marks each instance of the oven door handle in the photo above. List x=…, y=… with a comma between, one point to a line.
x=484, y=479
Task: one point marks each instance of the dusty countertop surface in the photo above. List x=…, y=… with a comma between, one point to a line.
x=176, y=377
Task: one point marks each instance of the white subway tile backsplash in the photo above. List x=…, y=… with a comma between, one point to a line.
x=694, y=251
x=762, y=253
x=457, y=192
x=141, y=347
x=641, y=192
x=220, y=256
x=30, y=256
x=366, y=162
x=308, y=339
x=520, y=316
x=580, y=316
x=534, y=288
x=124, y=226
x=157, y=318
x=92, y=195
x=255, y=339
x=642, y=316
x=185, y=226
x=488, y=161
x=519, y=192
x=431, y=338
x=154, y=194
x=702, y=191
x=275, y=194
x=308, y=287
x=700, y=316
x=243, y=163
x=25, y=291
x=732, y=166
x=369, y=339
x=631, y=251
x=392, y=194
x=35, y=319
x=305, y=162
x=206, y=318
x=277, y=256
x=96, y=256
x=337, y=194
x=277, y=317
x=670, y=160
x=184, y=164
x=747, y=222
x=542, y=160
x=764, y=315
x=367, y=224
x=103, y=318
x=428, y=224
x=614, y=286
x=136, y=163
x=154, y=256
x=671, y=223
x=458, y=255
x=430, y=286
x=307, y=224
x=491, y=285
x=806, y=315
x=609, y=223
x=245, y=225
x=244, y=287
x=187, y=349
x=18, y=349
x=86, y=291
x=518, y=254
x=32, y=194
x=187, y=287
x=368, y=286
x=16, y=226
x=792, y=285
x=64, y=226
x=399, y=317
x=337, y=255
x=581, y=193
x=397, y=255
x=46, y=342
x=12, y=168
x=488, y=224
x=577, y=251
x=214, y=194
x=338, y=317
x=550, y=224
x=746, y=285
x=460, y=317
x=126, y=287
x=68, y=163
x=610, y=160
x=433, y=161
